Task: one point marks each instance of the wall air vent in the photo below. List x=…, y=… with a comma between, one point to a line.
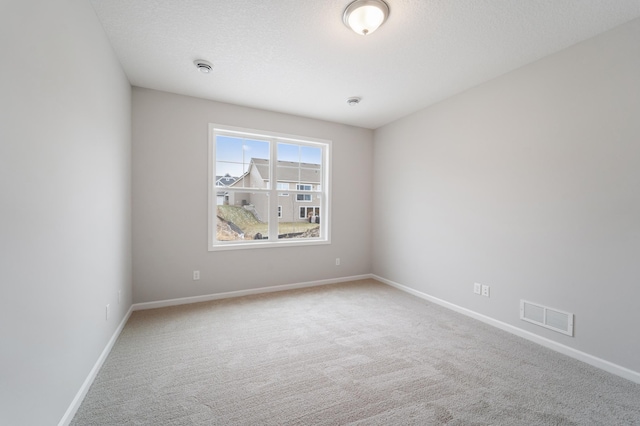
x=553, y=319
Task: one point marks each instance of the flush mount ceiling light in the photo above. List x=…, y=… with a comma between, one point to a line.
x=365, y=16
x=205, y=67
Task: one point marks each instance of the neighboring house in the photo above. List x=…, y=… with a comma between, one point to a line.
x=222, y=197
x=292, y=206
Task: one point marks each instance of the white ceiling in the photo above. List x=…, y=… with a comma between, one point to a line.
x=297, y=57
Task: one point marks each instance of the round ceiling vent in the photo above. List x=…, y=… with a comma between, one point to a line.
x=353, y=101
x=204, y=66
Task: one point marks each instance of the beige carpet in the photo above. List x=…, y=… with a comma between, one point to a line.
x=359, y=353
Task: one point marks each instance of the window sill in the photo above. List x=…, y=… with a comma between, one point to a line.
x=263, y=245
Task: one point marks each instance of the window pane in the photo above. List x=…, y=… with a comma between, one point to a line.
x=243, y=216
x=299, y=153
x=245, y=160
x=299, y=222
x=299, y=163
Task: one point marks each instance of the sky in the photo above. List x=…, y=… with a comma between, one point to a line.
x=233, y=154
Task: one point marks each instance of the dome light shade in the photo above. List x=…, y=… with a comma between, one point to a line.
x=365, y=16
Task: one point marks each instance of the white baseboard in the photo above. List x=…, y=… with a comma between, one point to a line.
x=227, y=295
x=602, y=364
x=610, y=367
x=77, y=401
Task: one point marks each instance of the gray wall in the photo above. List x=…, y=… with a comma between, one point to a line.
x=65, y=142
x=170, y=172
x=529, y=183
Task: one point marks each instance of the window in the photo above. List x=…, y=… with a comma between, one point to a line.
x=310, y=213
x=254, y=212
x=303, y=197
x=283, y=185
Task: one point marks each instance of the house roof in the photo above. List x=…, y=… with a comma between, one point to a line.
x=225, y=180
x=289, y=171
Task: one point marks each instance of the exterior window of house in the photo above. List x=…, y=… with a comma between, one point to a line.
x=281, y=186
x=254, y=212
x=303, y=197
x=310, y=213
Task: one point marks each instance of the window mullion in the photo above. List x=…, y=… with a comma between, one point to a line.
x=273, y=192
x=324, y=199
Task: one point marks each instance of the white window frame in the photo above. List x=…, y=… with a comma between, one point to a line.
x=272, y=191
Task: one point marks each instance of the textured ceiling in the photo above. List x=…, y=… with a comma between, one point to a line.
x=297, y=57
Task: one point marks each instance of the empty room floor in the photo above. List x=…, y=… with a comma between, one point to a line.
x=357, y=353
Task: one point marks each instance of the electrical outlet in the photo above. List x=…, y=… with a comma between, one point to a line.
x=337, y=261
x=485, y=290
x=477, y=288
x=106, y=316
x=196, y=275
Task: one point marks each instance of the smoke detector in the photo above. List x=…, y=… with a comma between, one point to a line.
x=205, y=67
x=353, y=101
